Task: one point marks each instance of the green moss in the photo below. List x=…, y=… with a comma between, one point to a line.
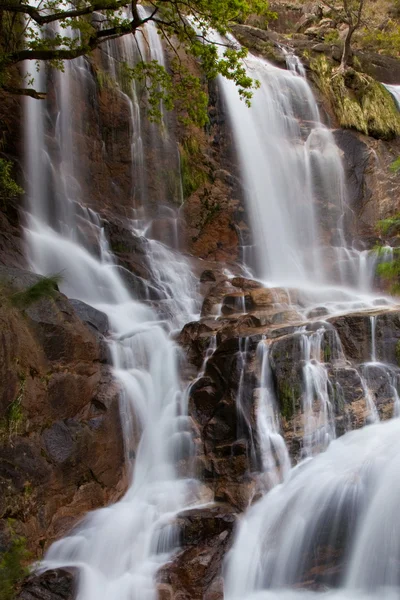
x=287, y=397
x=46, y=287
x=327, y=353
x=12, y=423
x=193, y=172
x=12, y=566
x=119, y=247
x=398, y=352
x=359, y=102
x=105, y=80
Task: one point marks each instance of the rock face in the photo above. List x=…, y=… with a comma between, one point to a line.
x=223, y=401
x=373, y=190
x=195, y=572
x=57, y=584
x=61, y=451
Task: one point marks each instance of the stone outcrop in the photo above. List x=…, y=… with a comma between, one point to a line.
x=223, y=401
x=195, y=572
x=61, y=451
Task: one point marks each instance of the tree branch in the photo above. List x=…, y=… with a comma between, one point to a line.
x=95, y=40
x=34, y=13
x=30, y=92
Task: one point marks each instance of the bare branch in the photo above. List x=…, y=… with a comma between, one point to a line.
x=30, y=92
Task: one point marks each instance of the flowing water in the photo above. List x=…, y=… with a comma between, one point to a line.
x=295, y=190
x=117, y=549
x=395, y=91
x=342, y=500
x=329, y=523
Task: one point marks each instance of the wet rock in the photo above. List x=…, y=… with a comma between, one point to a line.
x=204, y=398
x=246, y=284
x=207, y=275
x=315, y=313
x=264, y=297
x=206, y=535
x=57, y=584
x=91, y=316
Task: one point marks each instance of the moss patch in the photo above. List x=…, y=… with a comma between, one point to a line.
x=287, y=398
x=358, y=101
x=12, y=566
x=193, y=173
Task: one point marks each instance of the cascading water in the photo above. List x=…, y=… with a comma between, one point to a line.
x=319, y=524
x=395, y=91
x=293, y=176
x=274, y=455
x=118, y=549
x=293, y=180
x=329, y=509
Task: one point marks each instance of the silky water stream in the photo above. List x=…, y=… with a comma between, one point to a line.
x=329, y=526
x=117, y=549
x=341, y=501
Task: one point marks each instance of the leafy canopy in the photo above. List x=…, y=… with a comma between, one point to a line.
x=57, y=30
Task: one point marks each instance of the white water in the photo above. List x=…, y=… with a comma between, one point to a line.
x=120, y=548
x=117, y=549
x=347, y=495
x=274, y=454
x=395, y=91
x=341, y=493
x=294, y=181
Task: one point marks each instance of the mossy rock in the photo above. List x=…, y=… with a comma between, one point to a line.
x=358, y=101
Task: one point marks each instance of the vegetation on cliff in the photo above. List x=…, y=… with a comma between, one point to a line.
x=13, y=568
x=8, y=187
x=30, y=33
x=358, y=101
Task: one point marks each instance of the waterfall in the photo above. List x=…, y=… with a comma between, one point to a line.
x=293, y=180
x=274, y=454
x=320, y=531
x=395, y=91
x=331, y=508
x=339, y=507
x=117, y=549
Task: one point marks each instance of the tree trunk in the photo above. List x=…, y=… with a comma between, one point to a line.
x=347, y=49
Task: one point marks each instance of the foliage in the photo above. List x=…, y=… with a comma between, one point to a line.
x=388, y=267
x=395, y=166
x=384, y=42
x=55, y=32
x=46, y=287
x=11, y=424
x=386, y=225
x=12, y=566
x=358, y=101
x=8, y=187
x=332, y=37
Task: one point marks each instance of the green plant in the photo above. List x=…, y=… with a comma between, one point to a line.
x=332, y=36
x=27, y=34
x=46, y=287
x=395, y=166
x=9, y=189
x=13, y=565
x=389, y=270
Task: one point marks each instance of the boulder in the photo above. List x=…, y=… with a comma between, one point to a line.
x=57, y=584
